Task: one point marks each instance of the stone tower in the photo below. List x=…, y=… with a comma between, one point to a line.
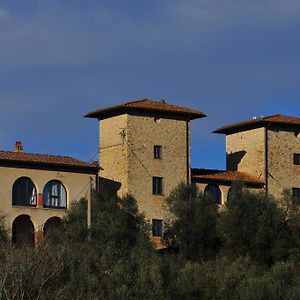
x=268, y=148
x=145, y=151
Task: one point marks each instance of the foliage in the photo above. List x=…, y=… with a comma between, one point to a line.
x=114, y=258
x=192, y=230
x=255, y=224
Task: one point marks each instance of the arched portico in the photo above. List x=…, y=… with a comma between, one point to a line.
x=52, y=225
x=23, y=231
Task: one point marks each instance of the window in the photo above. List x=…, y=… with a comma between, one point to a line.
x=296, y=159
x=157, y=152
x=24, y=192
x=156, y=227
x=296, y=195
x=213, y=192
x=157, y=185
x=55, y=195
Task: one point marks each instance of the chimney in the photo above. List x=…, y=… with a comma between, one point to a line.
x=18, y=146
x=162, y=101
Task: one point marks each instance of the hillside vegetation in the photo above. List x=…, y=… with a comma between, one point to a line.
x=249, y=249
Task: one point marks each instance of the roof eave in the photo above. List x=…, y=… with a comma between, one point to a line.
x=234, y=128
x=88, y=169
x=109, y=112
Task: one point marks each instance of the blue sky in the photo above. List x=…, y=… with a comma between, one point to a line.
x=231, y=59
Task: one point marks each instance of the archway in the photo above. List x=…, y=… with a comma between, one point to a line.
x=23, y=231
x=213, y=192
x=52, y=226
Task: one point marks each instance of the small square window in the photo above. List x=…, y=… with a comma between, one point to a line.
x=296, y=195
x=156, y=227
x=157, y=152
x=157, y=185
x=296, y=159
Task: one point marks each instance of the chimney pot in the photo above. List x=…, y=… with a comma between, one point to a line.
x=18, y=146
x=162, y=101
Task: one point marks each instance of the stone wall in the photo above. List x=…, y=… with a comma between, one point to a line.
x=283, y=174
x=245, y=152
x=127, y=157
x=143, y=133
x=113, y=151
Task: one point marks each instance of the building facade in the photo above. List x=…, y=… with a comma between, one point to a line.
x=144, y=151
x=37, y=190
x=267, y=148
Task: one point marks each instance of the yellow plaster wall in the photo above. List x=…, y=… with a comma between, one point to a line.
x=77, y=186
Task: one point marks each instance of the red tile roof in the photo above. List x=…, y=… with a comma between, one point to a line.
x=259, y=122
x=206, y=175
x=145, y=105
x=46, y=160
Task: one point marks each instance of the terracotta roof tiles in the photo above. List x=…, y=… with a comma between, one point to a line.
x=45, y=159
x=259, y=122
x=145, y=105
x=228, y=176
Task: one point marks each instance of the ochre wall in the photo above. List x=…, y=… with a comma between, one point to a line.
x=77, y=186
x=224, y=189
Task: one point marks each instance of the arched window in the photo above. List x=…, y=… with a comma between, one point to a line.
x=24, y=192
x=54, y=195
x=23, y=231
x=212, y=191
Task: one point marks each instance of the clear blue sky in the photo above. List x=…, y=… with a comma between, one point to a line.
x=60, y=59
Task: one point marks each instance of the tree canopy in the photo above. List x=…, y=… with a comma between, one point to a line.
x=247, y=249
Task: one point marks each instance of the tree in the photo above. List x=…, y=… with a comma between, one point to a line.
x=192, y=230
x=255, y=224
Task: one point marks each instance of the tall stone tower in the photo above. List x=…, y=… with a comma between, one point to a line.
x=268, y=148
x=145, y=151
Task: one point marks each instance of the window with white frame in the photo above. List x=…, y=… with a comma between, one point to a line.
x=24, y=192
x=54, y=195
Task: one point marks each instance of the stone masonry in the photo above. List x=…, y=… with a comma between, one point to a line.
x=245, y=152
x=127, y=159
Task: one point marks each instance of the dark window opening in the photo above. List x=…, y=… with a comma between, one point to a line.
x=296, y=159
x=296, y=195
x=213, y=192
x=24, y=192
x=156, y=227
x=54, y=195
x=157, y=152
x=157, y=185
